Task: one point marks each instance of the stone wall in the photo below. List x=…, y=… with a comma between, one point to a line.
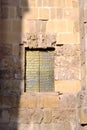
x=83, y=96
x=40, y=24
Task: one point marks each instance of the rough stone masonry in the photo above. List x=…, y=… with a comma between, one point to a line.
x=41, y=24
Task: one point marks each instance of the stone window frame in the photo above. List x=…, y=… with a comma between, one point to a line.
x=50, y=53
x=35, y=41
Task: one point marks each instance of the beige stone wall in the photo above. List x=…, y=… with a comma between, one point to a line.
x=83, y=97
x=21, y=18
x=39, y=23
x=62, y=20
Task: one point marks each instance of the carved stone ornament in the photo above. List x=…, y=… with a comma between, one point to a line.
x=39, y=40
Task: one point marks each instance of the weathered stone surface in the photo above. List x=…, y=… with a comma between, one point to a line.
x=47, y=116
x=68, y=101
x=83, y=115
x=5, y=127
x=57, y=126
x=39, y=40
x=51, y=101
x=63, y=115
x=4, y=14
x=62, y=126
x=46, y=127
x=67, y=62
x=40, y=103
x=28, y=101
x=43, y=13
x=85, y=128
x=40, y=24
x=12, y=87
x=10, y=101
x=68, y=86
x=4, y=116
x=9, y=2
x=38, y=116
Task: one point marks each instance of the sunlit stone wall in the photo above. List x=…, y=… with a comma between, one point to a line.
x=34, y=24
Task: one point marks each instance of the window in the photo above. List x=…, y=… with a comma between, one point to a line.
x=39, y=70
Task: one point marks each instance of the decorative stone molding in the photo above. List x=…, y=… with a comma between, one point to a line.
x=39, y=40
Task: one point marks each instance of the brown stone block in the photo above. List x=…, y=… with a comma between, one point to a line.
x=34, y=126
x=39, y=3
x=16, y=26
x=43, y=13
x=85, y=26
x=47, y=116
x=20, y=12
x=21, y=126
x=28, y=3
x=24, y=3
x=32, y=3
x=5, y=12
x=32, y=14
x=62, y=125
x=5, y=25
x=37, y=116
x=41, y=26
x=5, y=50
x=56, y=13
x=51, y=3
x=28, y=26
x=30, y=113
x=40, y=103
x=68, y=86
x=11, y=37
x=47, y=126
x=15, y=49
x=10, y=101
x=83, y=115
x=70, y=13
x=68, y=3
x=1, y=100
x=58, y=26
x=63, y=115
x=69, y=38
x=25, y=26
x=32, y=102
x=60, y=13
x=28, y=101
x=75, y=3
x=70, y=26
x=23, y=102
x=85, y=14
x=85, y=128
x=50, y=101
x=11, y=86
x=23, y=116
x=77, y=37
x=69, y=56
x=4, y=116
x=68, y=101
x=58, y=3
x=53, y=13
x=12, y=12
x=76, y=26
x=10, y=2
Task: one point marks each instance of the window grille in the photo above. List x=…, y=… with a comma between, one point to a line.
x=39, y=70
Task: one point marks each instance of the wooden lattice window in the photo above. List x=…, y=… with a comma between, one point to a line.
x=39, y=70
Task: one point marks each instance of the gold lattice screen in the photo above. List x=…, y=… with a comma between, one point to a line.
x=39, y=70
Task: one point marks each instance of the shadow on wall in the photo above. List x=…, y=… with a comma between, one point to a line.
x=11, y=15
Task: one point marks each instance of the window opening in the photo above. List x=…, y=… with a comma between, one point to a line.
x=39, y=70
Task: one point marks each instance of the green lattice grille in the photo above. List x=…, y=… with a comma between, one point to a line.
x=39, y=71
